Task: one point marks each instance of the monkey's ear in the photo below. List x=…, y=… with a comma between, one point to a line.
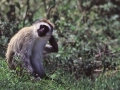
x=53, y=43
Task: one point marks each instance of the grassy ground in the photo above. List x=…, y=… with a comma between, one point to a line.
x=9, y=81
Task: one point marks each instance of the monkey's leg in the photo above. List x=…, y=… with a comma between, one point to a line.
x=25, y=58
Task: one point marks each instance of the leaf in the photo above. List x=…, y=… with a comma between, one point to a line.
x=54, y=75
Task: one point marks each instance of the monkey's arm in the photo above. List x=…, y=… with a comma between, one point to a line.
x=53, y=47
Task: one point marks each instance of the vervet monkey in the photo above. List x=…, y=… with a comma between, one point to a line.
x=29, y=44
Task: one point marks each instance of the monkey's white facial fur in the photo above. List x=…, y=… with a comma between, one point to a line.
x=43, y=29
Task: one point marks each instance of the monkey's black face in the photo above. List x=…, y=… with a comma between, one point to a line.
x=43, y=30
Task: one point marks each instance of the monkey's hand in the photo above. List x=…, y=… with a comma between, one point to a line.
x=48, y=49
x=53, y=47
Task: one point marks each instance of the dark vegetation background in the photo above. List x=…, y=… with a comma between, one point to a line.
x=88, y=35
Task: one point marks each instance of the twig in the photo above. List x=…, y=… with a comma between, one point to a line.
x=44, y=2
x=48, y=11
x=38, y=8
x=26, y=12
x=79, y=6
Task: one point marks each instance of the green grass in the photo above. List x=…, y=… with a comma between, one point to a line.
x=9, y=81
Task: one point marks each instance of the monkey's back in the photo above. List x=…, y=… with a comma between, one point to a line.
x=17, y=42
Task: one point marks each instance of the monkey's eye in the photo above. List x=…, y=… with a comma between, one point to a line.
x=41, y=26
